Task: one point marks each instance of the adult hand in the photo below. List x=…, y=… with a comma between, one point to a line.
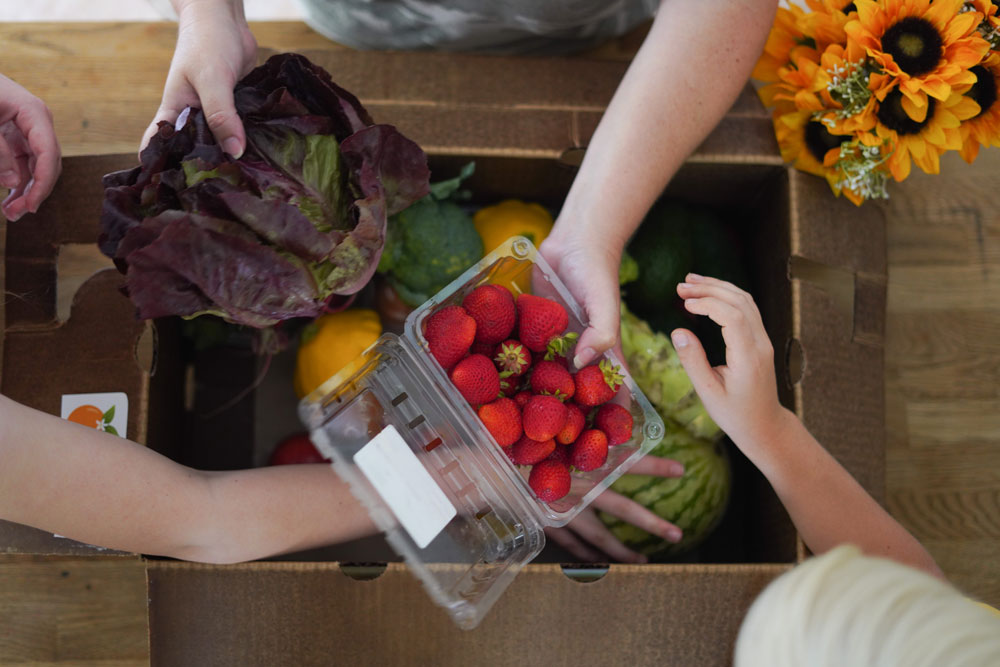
x=215, y=49
x=590, y=272
x=588, y=539
x=30, y=158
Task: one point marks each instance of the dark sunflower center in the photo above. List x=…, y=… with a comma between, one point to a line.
x=984, y=91
x=819, y=140
x=849, y=7
x=914, y=44
x=892, y=115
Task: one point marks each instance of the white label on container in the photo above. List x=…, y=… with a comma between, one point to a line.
x=405, y=486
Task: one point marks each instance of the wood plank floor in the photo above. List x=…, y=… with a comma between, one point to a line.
x=103, y=83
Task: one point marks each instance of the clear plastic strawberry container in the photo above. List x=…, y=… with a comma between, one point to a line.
x=434, y=480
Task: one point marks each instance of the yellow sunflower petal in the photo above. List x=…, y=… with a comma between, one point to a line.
x=899, y=163
x=932, y=134
x=936, y=88
x=928, y=162
x=915, y=106
x=969, y=151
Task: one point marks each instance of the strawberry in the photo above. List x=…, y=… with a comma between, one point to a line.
x=590, y=450
x=476, y=378
x=493, y=309
x=543, y=417
x=597, y=384
x=575, y=421
x=548, y=377
x=539, y=320
x=521, y=398
x=550, y=480
x=479, y=347
x=509, y=385
x=512, y=357
x=616, y=422
x=449, y=333
x=502, y=418
x=529, y=452
x=561, y=453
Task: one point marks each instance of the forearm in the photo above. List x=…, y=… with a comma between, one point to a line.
x=690, y=69
x=826, y=504
x=105, y=490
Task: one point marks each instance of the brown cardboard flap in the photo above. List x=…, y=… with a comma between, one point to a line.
x=312, y=614
x=451, y=104
x=16, y=538
x=840, y=327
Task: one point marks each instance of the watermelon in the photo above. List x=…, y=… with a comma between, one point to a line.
x=656, y=368
x=695, y=502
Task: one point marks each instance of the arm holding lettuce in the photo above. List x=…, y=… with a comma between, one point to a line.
x=96, y=487
x=826, y=504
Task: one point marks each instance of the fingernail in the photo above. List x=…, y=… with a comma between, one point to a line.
x=677, y=469
x=684, y=285
x=583, y=357
x=673, y=534
x=693, y=277
x=232, y=147
x=679, y=338
x=8, y=179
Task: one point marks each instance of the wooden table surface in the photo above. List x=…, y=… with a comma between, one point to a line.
x=103, y=83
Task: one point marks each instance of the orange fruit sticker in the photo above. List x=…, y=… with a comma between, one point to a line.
x=89, y=415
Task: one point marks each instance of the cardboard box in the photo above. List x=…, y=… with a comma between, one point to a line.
x=819, y=273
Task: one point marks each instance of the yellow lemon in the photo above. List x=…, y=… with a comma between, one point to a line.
x=331, y=342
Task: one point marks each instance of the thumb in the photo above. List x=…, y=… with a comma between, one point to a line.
x=222, y=119
x=695, y=362
x=602, y=334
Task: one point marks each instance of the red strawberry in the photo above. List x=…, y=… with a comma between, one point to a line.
x=509, y=385
x=548, y=377
x=597, y=384
x=512, y=357
x=493, y=309
x=521, y=398
x=528, y=452
x=479, y=347
x=449, y=333
x=616, y=422
x=550, y=480
x=502, y=419
x=575, y=421
x=543, y=417
x=539, y=321
x=590, y=450
x=476, y=379
x=561, y=453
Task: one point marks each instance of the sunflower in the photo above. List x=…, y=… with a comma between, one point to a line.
x=983, y=129
x=922, y=140
x=827, y=20
x=786, y=37
x=798, y=82
x=927, y=46
x=989, y=28
x=810, y=146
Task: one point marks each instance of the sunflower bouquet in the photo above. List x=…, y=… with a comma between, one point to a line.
x=862, y=90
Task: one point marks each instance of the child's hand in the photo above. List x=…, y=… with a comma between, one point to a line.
x=742, y=396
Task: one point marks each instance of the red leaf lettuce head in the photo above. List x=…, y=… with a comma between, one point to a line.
x=299, y=218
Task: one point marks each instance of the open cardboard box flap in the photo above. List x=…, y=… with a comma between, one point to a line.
x=825, y=258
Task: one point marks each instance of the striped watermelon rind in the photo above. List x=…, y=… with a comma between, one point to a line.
x=695, y=502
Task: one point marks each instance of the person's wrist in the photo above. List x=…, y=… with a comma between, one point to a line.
x=766, y=441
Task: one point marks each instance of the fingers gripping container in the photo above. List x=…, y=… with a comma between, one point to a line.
x=431, y=476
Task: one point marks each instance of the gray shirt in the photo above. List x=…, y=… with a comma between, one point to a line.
x=537, y=27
